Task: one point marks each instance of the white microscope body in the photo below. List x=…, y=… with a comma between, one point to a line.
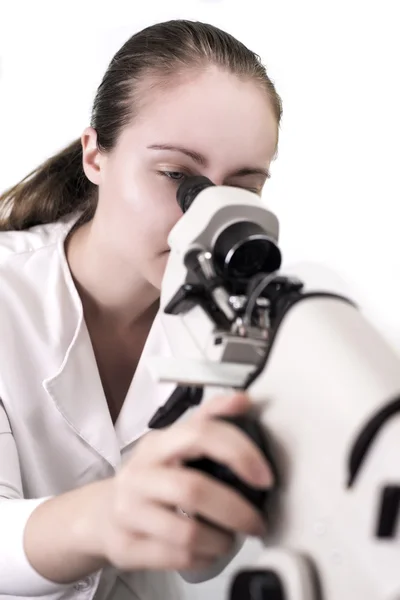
x=324, y=384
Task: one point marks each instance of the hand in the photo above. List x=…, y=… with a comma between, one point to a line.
x=140, y=525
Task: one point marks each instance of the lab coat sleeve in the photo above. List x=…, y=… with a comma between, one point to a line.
x=17, y=577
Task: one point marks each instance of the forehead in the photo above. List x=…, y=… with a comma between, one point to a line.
x=213, y=112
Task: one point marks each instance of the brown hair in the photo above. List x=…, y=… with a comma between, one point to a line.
x=59, y=186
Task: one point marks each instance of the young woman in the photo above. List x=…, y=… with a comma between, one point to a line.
x=88, y=501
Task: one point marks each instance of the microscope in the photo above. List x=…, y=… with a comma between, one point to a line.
x=325, y=392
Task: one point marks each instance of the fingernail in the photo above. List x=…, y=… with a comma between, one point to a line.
x=263, y=476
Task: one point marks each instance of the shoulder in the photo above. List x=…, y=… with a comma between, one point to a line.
x=34, y=277
x=28, y=241
x=29, y=258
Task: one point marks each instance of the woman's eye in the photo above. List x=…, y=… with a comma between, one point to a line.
x=175, y=175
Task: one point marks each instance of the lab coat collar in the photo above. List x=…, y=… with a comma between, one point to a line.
x=76, y=387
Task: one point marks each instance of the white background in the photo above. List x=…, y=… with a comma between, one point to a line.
x=335, y=185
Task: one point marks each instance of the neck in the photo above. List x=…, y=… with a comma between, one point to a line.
x=111, y=291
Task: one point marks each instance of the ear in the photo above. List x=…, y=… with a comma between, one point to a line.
x=91, y=155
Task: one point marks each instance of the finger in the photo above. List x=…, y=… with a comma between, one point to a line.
x=137, y=552
x=166, y=525
x=218, y=440
x=226, y=405
x=197, y=493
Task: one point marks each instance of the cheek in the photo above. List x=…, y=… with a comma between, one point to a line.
x=149, y=192
x=161, y=221
x=158, y=199
x=150, y=210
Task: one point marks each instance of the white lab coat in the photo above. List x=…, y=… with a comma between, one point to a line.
x=56, y=433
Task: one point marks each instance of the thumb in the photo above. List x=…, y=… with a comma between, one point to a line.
x=232, y=404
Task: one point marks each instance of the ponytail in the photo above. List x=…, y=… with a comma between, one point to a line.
x=53, y=190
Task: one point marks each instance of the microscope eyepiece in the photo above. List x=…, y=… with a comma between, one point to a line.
x=189, y=189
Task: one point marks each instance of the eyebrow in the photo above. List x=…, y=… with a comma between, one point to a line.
x=201, y=160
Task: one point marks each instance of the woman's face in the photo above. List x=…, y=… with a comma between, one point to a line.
x=213, y=124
